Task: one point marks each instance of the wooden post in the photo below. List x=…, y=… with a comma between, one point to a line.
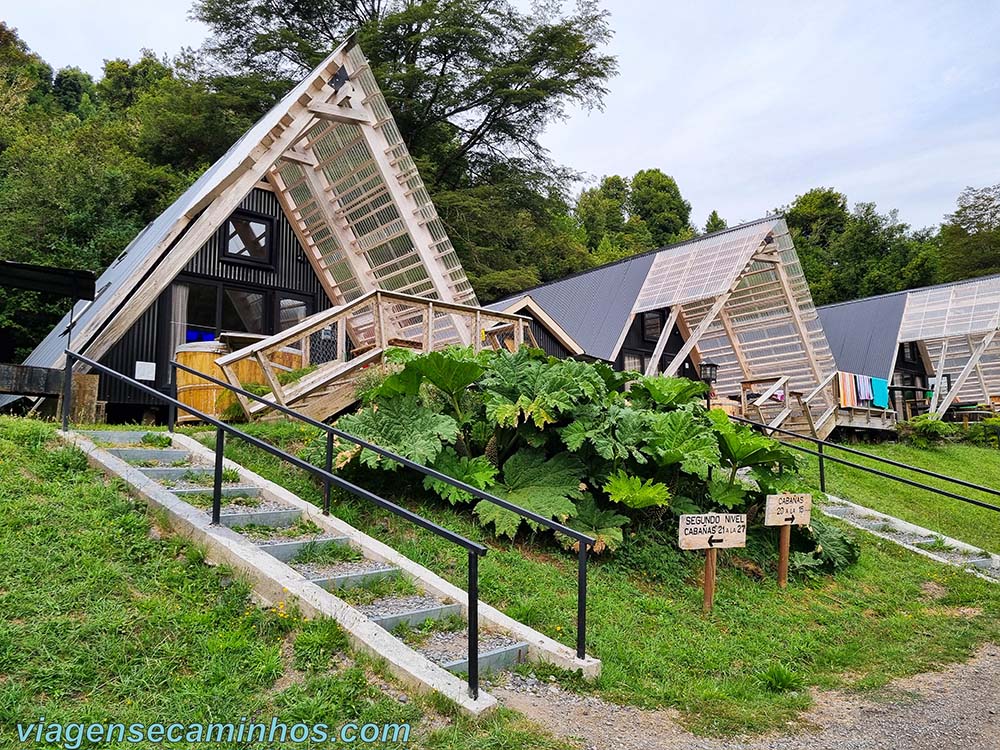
x=784, y=544
x=711, y=562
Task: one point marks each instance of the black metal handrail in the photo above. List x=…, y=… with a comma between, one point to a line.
x=823, y=457
x=475, y=549
x=585, y=542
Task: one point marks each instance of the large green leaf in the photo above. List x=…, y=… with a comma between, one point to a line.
x=615, y=431
x=546, y=487
x=669, y=392
x=402, y=426
x=476, y=471
x=635, y=493
x=601, y=523
x=742, y=447
x=448, y=371
x=678, y=438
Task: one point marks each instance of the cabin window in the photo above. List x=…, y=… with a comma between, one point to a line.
x=652, y=325
x=243, y=311
x=248, y=238
x=291, y=311
x=632, y=361
x=197, y=305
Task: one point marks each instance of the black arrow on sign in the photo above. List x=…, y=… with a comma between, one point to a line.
x=713, y=540
x=789, y=519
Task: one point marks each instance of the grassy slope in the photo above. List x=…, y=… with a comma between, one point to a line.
x=100, y=620
x=860, y=629
x=969, y=523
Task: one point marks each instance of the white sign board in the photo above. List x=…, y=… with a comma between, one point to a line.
x=145, y=370
x=712, y=531
x=788, y=509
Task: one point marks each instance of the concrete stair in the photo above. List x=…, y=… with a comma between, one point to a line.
x=327, y=561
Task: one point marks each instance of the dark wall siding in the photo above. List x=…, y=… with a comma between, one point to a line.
x=145, y=340
x=139, y=344
x=635, y=343
x=546, y=341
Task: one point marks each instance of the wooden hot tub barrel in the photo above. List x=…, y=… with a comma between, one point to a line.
x=209, y=398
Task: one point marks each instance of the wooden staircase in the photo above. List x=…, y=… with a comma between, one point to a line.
x=338, y=345
x=816, y=414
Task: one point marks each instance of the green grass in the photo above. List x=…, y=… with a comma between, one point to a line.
x=103, y=621
x=745, y=667
x=968, y=523
x=156, y=440
x=314, y=552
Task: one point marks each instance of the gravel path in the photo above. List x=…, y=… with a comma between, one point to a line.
x=331, y=569
x=442, y=648
x=394, y=605
x=957, y=708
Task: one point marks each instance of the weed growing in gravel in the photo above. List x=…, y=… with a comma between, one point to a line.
x=300, y=528
x=416, y=635
x=155, y=440
x=380, y=588
x=330, y=552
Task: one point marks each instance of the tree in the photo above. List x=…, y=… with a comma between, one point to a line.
x=72, y=88
x=715, y=223
x=970, y=238
x=124, y=82
x=656, y=199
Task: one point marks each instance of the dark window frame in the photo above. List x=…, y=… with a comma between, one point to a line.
x=656, y=315
x=269, y=246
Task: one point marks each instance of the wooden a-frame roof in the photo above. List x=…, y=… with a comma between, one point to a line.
x=333, y=154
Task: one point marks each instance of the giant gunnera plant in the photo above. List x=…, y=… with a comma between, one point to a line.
x=578, y=442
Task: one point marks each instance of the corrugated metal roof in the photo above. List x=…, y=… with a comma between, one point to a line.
x=594, y=306
x=863, y=333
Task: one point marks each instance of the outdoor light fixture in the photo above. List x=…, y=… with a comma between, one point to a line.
x=709, y=372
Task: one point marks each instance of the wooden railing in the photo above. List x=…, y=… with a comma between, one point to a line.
x=331, y=347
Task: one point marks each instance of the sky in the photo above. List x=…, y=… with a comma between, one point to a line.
x=746, y=105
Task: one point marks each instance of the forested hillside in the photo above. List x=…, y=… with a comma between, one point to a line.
x=85, y=163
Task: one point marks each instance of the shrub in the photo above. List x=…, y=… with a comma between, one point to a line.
x=925, y=430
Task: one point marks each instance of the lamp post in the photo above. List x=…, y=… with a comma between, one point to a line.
x=709, y=372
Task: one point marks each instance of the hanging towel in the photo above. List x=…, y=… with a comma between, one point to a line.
x=880, y=393
x=864, y=387
x=848, y=391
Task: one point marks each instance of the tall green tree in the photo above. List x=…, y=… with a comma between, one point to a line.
x=656, y=198
x=715, y=223
x=970, y=237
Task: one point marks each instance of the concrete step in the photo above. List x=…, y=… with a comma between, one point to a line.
x=392, y=611
x=345, y=575
x=276, y=518
x=286, y=551
x=119, y=437
x=228, y=490
x=163, y=456
x=450, y=650
x=174, y=473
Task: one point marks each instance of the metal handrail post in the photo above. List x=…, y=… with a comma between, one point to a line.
x=67, y=402
x=581, y=602
x=329, y=470
x=220, y=447
x=473, y=618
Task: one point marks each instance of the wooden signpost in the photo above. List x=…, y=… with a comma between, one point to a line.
x=712, y=532
x=786, y=510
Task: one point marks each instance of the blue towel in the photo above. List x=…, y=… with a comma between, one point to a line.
x=880, y=393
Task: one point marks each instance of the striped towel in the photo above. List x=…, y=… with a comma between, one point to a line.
x=848, y=389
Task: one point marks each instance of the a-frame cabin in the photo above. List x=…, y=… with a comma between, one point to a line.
x=316, y=206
